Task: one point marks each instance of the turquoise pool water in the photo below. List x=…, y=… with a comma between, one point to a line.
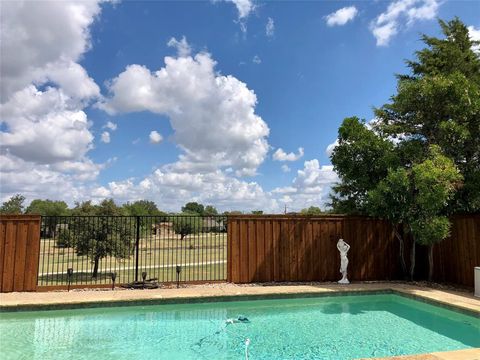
x=342, y=327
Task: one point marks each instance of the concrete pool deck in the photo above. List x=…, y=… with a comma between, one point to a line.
x=224, y=292
x=462, y=301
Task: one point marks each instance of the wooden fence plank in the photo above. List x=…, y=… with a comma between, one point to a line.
x=3, y=235
x=9, y=257
x=260, y=272
x=252, y=250
x=20, y=256
x=276, y=249
x=33, y=252
x=269, y=258
x=243, y=237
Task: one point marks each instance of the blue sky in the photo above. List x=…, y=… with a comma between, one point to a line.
x=309, y=65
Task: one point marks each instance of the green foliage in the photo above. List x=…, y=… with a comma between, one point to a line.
x=142, y=207
x=439, y=103
x=210, y=210
x=14, y=205
x=410, y=195
x=361, y=159
x=421, y=159
x=312, y=210
x=257, y=212
x=106, y=208
x=233, y=212
x=65, y=239
x=105, y=236
x=392, y=198
x=84, y=208
x=448, y=55
x=97, y=238
x=416, y=197
x=428, y=231
x=193, y=208
x=435, y=181
x=186, y=225
x=48, y=208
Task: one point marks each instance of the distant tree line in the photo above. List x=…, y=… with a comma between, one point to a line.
x=16, y=205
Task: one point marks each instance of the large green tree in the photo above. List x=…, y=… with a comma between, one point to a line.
x=147, y=211
x=142, y=207
x=210, y=210
x=186, y=224
x=415, y=198
x=193, y=208
x=361, y=159
x=439, y=103
x=14, y=205
x=408, y=164
x=51, y=212
x=48, y=208
x=100, y=232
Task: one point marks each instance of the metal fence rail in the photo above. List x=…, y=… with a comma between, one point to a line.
x=95, y=247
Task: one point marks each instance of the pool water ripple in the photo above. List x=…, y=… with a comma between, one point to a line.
x=341, y=327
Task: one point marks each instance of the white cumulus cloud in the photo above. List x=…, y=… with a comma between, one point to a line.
x=310, y=187
x=110, y=125
x=45, y=135
x=43, y=41
x=342, y=16
x=474, y=36
x=172, y=189
x=244, y=7
x=331, y=147
x=285, y=168
x=281, y=155
x=183, y=48
x=155, y=137
x=44, y=126
x=105, y=137
x=270, y=27
x=400, y=14
x=213, y=116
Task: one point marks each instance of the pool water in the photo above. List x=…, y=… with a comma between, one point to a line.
x=339, y=327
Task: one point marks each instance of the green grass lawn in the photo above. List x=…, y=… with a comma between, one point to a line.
x=202, y=257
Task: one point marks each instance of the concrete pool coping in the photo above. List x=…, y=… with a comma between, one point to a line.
x=455, y=300
x=15, y=301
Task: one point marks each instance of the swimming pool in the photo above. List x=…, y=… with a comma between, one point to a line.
x=339, y=327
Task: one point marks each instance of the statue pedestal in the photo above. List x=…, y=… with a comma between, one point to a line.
x=344, y=281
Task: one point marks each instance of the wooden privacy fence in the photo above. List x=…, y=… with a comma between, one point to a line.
x=19, y=249
x=455, y=257
x=301, y=248
x=283, y=248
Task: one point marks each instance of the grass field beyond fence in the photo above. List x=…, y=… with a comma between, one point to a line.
x=202, y=255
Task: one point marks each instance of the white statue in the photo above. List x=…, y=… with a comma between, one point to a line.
x=343, y=247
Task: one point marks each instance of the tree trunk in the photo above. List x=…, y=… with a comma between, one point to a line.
x=412, y=261
x=401, y=251
x=95, y=267
x=430, y=263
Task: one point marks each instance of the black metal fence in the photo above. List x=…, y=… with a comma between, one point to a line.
x=86, y=250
